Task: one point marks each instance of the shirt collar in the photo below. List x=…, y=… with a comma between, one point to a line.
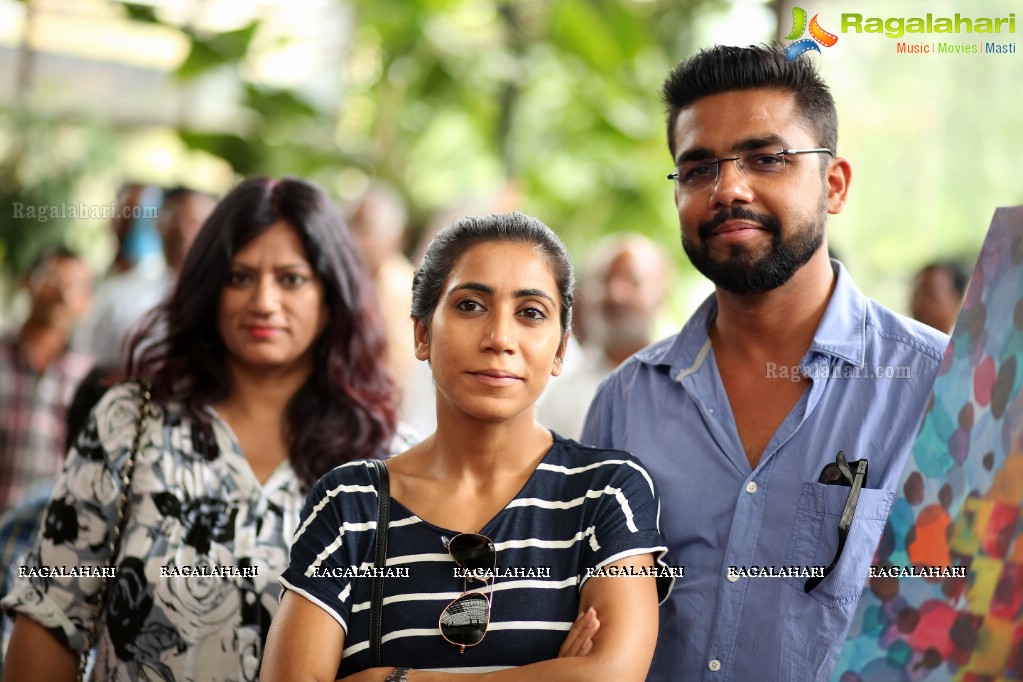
x=843, y=329
x=841, y=332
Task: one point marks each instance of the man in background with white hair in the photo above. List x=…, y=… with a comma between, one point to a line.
x=623, y=292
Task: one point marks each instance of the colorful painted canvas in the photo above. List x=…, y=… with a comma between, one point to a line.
x=958, y=514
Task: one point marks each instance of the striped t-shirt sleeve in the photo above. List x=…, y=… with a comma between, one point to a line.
x=625, y=519
x=325, y=544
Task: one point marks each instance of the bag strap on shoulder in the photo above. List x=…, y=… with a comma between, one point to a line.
x=380, y=562
x=123, y=512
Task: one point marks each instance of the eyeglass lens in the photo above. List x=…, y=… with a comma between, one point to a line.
x=473, y=551
x=465, y=620
x=699, y=173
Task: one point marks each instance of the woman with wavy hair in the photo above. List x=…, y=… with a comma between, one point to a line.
x=265, y=367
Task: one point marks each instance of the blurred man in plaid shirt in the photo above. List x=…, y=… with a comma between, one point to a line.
x=38, y=376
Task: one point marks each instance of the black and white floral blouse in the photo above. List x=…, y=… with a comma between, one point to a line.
x=196, y=578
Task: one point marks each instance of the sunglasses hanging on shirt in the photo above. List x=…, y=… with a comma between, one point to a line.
x=465, y=620
x=852, y=474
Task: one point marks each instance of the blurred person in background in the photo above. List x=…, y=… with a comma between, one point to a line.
x=266, y=371
x=624, y=291
x=182, y=214
x=133, y=227
x=126, y=296
x=378, y=223
x=938, y=291
x=38, y=375
x=19, y=526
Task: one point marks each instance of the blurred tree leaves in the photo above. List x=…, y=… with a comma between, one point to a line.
x=554, y=103
x=558, y=98
x=39, y=172
x=220, y=49
x=459, y=101
x=456, y=102
x=144, y=13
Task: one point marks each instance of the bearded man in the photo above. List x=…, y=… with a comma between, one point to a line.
x=776, y=423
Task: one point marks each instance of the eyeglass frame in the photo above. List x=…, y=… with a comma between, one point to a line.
x=488, y=584
x=856, y=481
x=674, y=175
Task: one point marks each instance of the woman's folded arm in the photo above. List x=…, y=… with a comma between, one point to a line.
x=622, y=648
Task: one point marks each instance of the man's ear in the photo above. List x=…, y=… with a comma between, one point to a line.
x=421, y=337
x=838, y=178
x=559, y=357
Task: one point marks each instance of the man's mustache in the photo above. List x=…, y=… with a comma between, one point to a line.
x=768, y=222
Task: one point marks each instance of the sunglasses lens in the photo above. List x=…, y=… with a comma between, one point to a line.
x=473, y=551
x=465, y=620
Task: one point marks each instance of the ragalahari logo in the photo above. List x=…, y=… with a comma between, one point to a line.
x=818, y=35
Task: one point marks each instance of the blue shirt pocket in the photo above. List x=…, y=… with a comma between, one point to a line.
x=814, y=539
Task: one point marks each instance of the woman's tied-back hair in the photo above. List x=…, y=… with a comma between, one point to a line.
x=347, y=408
x=465, y=233
x=725, y=68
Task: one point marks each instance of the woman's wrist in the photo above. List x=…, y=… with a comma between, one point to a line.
x=398, y=675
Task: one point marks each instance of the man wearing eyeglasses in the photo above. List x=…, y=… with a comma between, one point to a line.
x=758, y=420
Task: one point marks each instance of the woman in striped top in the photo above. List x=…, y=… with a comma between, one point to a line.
x=532, y=516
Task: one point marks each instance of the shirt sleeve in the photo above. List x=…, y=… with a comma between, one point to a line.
x=335, y=538
x=59, y=582
x=627, y=523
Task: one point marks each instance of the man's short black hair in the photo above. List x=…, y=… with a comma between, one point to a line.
x=724, y=68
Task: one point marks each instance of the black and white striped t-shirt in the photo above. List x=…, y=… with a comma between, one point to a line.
x=582, y=508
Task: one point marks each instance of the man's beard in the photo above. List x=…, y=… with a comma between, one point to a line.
x=742, y=272
x=622, y=329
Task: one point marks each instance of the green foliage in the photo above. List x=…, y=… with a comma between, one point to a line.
x=559, y=98
x=456, y=101
x=39, y=174
x=143, y=13
x=555, y=102
x=221, y=49
x=245, y=158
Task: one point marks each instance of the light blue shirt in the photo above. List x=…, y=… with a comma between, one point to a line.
x=872, y=372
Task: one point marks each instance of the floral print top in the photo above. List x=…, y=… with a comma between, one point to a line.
x=196, y=578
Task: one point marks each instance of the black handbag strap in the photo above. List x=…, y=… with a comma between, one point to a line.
x=123, y=509
x=380, y=562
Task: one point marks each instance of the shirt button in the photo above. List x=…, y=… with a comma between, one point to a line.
x=714, y=665
x=732, y=577
x=751, y=487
